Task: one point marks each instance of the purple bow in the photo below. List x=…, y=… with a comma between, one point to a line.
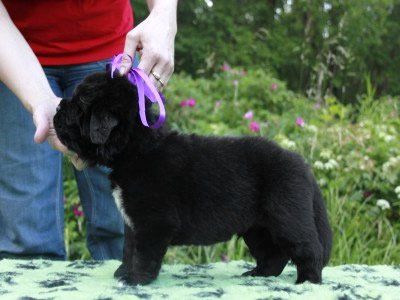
x=137, y=76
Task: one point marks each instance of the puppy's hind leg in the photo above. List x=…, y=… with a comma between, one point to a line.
x=308, y=258
x=298, y=237
x=270, y=259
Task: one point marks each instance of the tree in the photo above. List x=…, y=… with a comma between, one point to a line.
x=318, y=47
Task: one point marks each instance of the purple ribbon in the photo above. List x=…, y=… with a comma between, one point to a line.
x=136, y=76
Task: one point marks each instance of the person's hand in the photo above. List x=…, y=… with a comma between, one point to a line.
x=154, y=40
x=43, y=119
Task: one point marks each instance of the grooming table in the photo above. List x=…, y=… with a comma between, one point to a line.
x=45, y=279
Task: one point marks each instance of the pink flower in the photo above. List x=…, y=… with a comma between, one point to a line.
x=235, y=82
x=224, y=258
x=274, y=86
x=218, y=104
x=242, y=72
x=225, y=67
x=367, y=194
x=300, y=122
x=77, y=211
x=318, y=105
x=248, y=115
x=254, y=126
x=189, y=102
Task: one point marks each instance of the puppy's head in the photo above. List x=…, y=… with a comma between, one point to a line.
x=97, y=121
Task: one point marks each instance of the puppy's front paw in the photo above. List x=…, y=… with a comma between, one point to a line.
x=121, y=271
x=311, y=277
x=131, y=278
x=264, y=272
x=254, y=272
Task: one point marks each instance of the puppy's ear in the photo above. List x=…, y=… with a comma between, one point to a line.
x=101, y=125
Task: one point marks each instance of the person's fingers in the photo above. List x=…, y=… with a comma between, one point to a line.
x=42, y=129
x=55, y=143
x=78, y=163
x=155, y=57
x=156, y=78
x=43, y=120
x=147, y=61
x=131, y=43
x=160, y=74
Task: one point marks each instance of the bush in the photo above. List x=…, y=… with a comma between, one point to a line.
x=354, y=152
x=74, y=227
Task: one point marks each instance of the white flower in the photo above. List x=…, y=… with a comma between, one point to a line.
x=326, y=154
x=288, y=144
x=319, y=165
x=388, y=138
x=397, y=190
x=393, y=161
x=383, y=204
x=381, y=128
x=322, y=182
x=331, y=164
x=311, y=128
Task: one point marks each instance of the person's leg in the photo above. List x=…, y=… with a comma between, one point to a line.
x=31, y=191
x=105, y=226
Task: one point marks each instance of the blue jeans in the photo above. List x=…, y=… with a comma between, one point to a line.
x=31, y=183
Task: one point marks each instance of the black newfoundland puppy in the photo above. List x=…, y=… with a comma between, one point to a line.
x=180, y=189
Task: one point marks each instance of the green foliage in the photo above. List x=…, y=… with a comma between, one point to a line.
x=356, y=162
x=74, y=227
x=317, y=47
x=225, y=99
x=354, y=151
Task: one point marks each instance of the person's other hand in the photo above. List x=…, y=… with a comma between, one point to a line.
x=154, y=40
x=43, y=119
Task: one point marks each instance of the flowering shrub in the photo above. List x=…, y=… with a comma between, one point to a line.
x=354, y=152
x=300, y=122
x=248, y=115
x=74, y=227
x=189, y=102
x=254, y=126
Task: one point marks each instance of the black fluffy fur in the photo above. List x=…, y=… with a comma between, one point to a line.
x=180, y=189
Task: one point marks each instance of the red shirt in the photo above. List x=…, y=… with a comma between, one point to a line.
x=62, y=32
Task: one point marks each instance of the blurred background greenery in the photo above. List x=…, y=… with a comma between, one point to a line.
x=319, y=77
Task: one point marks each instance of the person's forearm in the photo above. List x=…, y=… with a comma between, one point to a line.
x=165, y=10
x=20, y=70
x=165, y=6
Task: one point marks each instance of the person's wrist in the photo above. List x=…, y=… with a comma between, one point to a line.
x=47, y=99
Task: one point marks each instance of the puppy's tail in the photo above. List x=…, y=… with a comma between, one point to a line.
x=322, y=223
